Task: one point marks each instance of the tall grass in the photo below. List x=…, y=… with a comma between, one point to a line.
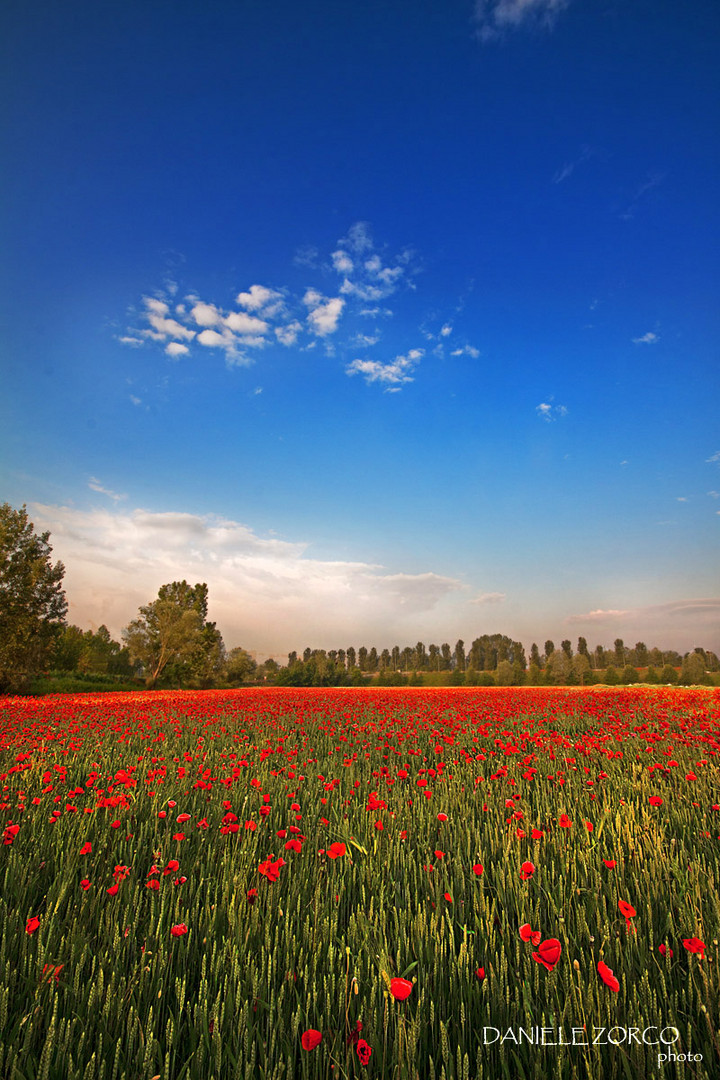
x=103, y=990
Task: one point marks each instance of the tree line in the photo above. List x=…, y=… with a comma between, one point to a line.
x=172, y=642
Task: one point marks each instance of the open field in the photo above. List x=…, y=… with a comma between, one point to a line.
x=436, y=882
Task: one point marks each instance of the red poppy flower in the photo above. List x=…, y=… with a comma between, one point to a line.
x=270, y=869
x=564, y=821
x=442, y=817
x=336, y=850
x=363, y=1051
x=527, y=870
x=400, y=989
x=113, y=889
x=478, y=869
x=527, y=934
x=480, y=972
x=179, y=930
x=86, y=848
x=665, y=951
x=114, y=824
x=627, y=910
x=153, y=883
x=182, y=818
x=610, y=863
x=448, y=897
x=548, y=953
x=695, y=945
x=32, y=924
x=310, y=1039
x=607, y=976
x=655, y=800
x=85, y=884
x=537, y=834
x=251, y=895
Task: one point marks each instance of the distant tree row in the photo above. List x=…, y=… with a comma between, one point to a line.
x=172, y=643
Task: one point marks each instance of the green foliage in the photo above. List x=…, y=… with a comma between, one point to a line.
x=32, y=602
x=172, y=637
x=239, y=667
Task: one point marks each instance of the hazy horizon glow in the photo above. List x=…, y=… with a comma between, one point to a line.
x=389, y=327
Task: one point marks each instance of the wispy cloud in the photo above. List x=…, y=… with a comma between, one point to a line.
x=685, y=618
x=647, y=339
x=570, y=166
x=653, y=181
x=493, y=18
x=489, y=598
x=394, y=373
x=95, y=485
x=714, y=458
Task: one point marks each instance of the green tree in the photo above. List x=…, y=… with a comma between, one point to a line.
x=693, y=670
x=549, y=649
x=566, y=647
x=240, y=666
x=668, y=674
x=639, y=655
x=68, y=648
x=504, y=673
x=460, y=656
x=619, y=657
x=535, y=656
x=557, y=668
x=32, y=601
x=580, y=666
x=169, y=630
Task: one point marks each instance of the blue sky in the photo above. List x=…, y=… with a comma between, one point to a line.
x=391, y=322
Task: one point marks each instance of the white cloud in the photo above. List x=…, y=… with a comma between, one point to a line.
x=494, y=17
x=258, y=297
x=135, y=400
x=212, y=339
x=206, y=314
x=713, y=458
x=362, y=269
x=324, y=313
x=162, y=327
x=489, y=598
x=446, y=330
x=342, y=262
x=396, y=372
x=133, y=341
x=466, y=350
x=358, y=238
x=646, y=339
x=265, y=593
x=243, y=324
x=714, y=494
x=175, y=349
x=550, y=412
x=288, y=335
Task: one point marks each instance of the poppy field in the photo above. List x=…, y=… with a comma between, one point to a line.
x=407, y=883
